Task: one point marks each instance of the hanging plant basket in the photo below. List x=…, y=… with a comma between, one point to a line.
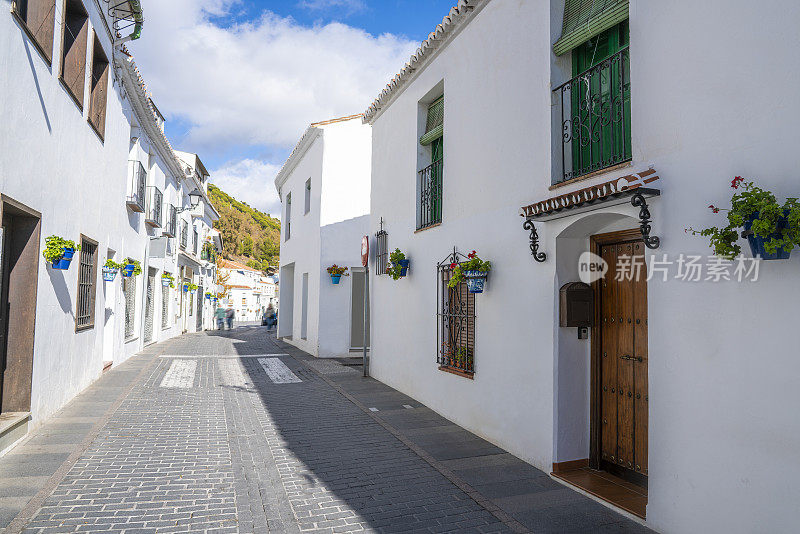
x=166, y=282
x=757, y=242
x=109, y=274
x=66, y=258
x=336, y=278
x=185, y=288
x=127, y=271
x=475, y=280
x=336, y=273
x=404, y=265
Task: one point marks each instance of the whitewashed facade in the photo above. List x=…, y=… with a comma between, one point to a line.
x=324, y=187
x=77, y=134
x=250, y=291
x=705, y=106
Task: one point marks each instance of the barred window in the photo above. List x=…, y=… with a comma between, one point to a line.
x=381, y=251
x=129, y=288
x=164, y=306
x=456, y=321
x=87, y=285
x=191, y=304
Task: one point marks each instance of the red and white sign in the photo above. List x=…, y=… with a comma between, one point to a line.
x=365, y=250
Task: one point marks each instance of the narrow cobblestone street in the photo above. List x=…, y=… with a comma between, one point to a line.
x=237, y=432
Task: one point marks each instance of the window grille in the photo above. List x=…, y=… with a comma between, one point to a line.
x=184, y=234
x=155, y=201
x=129, y=288
x=194, y=241
x=137, y=186
x=164, y=306
x=381, y=251
x=456, y=320
x=191, y=304
x=87, y=275
x=429, y=201
x=288, y=223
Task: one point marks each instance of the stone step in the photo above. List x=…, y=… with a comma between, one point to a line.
x=13, y=427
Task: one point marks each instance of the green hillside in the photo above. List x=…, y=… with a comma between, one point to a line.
x=248, y=235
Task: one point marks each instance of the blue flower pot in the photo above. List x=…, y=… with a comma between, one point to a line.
x=185, y=288
x=475, y=281
x=336, y=278
x=404, y=267
x=757, y=242
x=63, y=263
x=165, y=282
x=109, y=274
x=127, y=271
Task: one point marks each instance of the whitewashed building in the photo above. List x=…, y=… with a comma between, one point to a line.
x=324, y=187
x=567, y=115
x=250, y=291
x=83, y=156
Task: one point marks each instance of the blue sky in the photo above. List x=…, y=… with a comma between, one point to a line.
x=239, y=81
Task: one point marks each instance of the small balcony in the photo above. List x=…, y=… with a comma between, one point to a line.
x=155, y=203
x=429, y=202
x=171, y=224
x=593, y=114
x=136, y=186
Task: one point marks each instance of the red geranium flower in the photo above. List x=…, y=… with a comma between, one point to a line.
x=713, y=208
x=736, y=182
x=453, y=265
x=472, y=255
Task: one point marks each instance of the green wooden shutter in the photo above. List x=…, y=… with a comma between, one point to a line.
x=434, y=128
x=583, y=19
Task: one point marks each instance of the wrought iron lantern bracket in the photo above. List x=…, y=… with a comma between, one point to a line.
x=639, y=201
x=540, y=257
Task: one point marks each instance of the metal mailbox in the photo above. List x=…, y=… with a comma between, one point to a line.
x=576, y=304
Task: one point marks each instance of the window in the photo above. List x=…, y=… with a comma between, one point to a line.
x=456, y=322
x=87, y=285
x=191, y=304
x=244, y=301
x=73, y=51
x=195, y=239
x=429, y=183
x=129, y=288
x=595, y=105
x=308, y=196
x=381, y=251
x=184, y=234
x=99, y=90
x=38, y=18
x=164, y=306
x=155, y=202
x=288, y=231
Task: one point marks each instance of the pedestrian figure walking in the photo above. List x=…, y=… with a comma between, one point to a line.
x=219, y=314
x=229, y=315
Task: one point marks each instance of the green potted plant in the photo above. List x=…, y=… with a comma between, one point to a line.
x=167, y=280
x=192, y=288
x=772, y=229
x=398, y=265
x=131, y=267
x=336, y=273
x=59, y=252
x=474, y=271
x=110, y=270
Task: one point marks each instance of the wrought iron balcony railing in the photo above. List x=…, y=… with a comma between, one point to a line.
x=429, y=201
x=155, y=203
x=595, y=117
x=136, y=186
x=171, y=224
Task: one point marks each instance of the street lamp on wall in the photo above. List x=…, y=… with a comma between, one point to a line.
x=194, y=200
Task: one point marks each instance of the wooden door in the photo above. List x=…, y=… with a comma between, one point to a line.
x=623, y=396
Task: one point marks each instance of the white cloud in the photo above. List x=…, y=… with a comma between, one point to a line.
x=250, y=181
x=349, y=6
x=257, y=84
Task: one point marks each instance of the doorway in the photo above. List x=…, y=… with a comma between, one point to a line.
x=19, y=271
x=286, y=310
x=304, y=309
x=619, y=434
x=357, y=309
x=149, y=305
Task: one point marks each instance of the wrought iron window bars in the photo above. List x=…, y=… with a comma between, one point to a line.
x=455, y=325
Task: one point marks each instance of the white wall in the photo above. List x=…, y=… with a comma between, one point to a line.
x=341, y=244
x=708, y=103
